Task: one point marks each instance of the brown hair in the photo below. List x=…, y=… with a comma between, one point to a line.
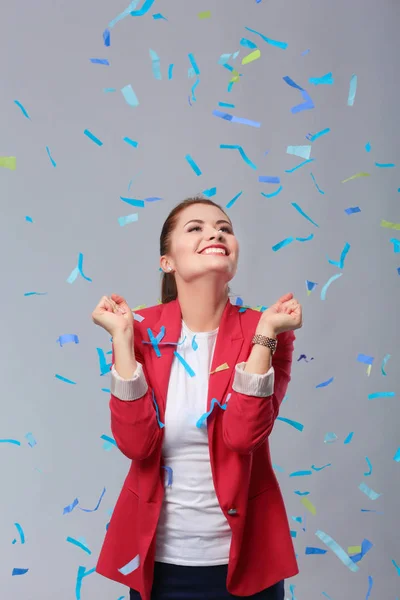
x=169, y=290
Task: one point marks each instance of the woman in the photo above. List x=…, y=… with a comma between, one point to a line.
x=194, y=397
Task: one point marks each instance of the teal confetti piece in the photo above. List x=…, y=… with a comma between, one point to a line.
x=368, y=147
x=158, y=16
x=194, y=343
x=81, y=574
x=79, y=545
x=131, y=566
x=306, y=239
x=170, y=69
x=303, y=214
x=23, y=109
x=242, y=153
x=232, y=202
x=226, y=105
x=278, y=191
x=130, y=142
x=315, y=136
x=184, y=363
x=328, y=283
x=155, y=64
x=192, y=163
x=133, y=201
x=386, y=358
x=92, y=137
x=204, y=417
x=10, y=441
x=30, y=439
x=142, y=11
x=396, y=245
x=124, y=14
x=210, y=192
x=130, y=95
x=370, y=467
x=194, y=64
x=385, y=165
x=324, y=80
x=325, y=383
x=300, y=473
x=65, y=379
x=300, y=165
x=336, y=549
x=132, y=218
x=314, y=468
x=160, y=424
x=21, y=534
x=349, y=438
x=352, y=90
x=368, y=491
x=278, y=468
x=302, y=151
x=108, y=439
x=78, y=270
x=282, y=244
x=295, y=424
x=381, y=395
x=106, y=90
x=282, y=45
x=330, y=437
x=53, y=162
x=316, y=184
x=193, y=88
x=396, y=567
x=248, y=43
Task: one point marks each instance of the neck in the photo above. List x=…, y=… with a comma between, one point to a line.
x=202, y=308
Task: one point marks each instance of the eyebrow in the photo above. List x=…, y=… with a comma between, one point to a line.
x=200, y=221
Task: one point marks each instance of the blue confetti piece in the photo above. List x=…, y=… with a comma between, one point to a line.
x=78, y=544
x=314, y=468
x=160, y=424
x=316, y=184
x=133, y=201
x=193, y=88
x=302, y=493
x=100, y=61
x=192, y=163
x=328, y=283
x=129, y=95
x=233, y=119
x=205, y=416
x=300, y=165
x=248, y=43
x=368, y=147
x=17, y=571
x=23, y=109
x=158, y=16
x=324, y=80
x=66, y=338
x=352, y=210
x=241, y=151
x=306, y=239
x=325, y=383
x=352, y=90
x=188, y=368
x=170, y=473
x=370, y=584
x=294, y=424
x=93, y=137
x=81, y=574
x=396, y=566
x=308, y=104
x=311, y=550
x=106, y=37
x=21, y=533
x=10, y=441
x=232, y=202
x=282, y=45
x=30, y=439
x=145, y=8
x=97, y=505
x=396, y=245
x=370, y=467
x=194, y=64
x=268, y=179
x=349, y=438
x=170, y=68
x=70, y=508
x=65, y=379
x=381, y=395
x=297, y=207
x=108, y=440
x=210, y=192
x=272, y=194
x=53, y=162
x=292, y=83
x=130, y=142
x=155, y=64
x=282, y=244
x=225, y=105
x=336, y=549
x=364, y=358
x=300, y=474
x=315, y=136
x=366, y=546
x=385, y=165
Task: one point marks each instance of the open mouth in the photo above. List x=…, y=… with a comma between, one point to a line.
x=214, y=252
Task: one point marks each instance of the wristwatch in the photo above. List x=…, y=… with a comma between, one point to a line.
x=271, y=343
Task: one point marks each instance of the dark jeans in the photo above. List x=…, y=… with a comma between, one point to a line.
x=175, y=582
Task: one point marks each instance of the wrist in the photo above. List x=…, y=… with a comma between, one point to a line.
x=267, y=330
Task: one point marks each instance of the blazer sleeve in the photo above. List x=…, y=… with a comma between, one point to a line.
x=134, y=423
x=248, y=420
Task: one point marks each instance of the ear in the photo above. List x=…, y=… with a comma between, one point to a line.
x=165, y=264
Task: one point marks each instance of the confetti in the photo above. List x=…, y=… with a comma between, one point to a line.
x=370, y=467
x=53, y=162
x=352, y=90
x=325, y=383
x=368, y=491
x=268, y=179
x=79, y=545
x=106, y=37
x=356, y=176
x=340, y=263
x=381, y=395
x=242, y=153
x=324, y=80
x=233, y=119
x=272, y=194
x=295, y=424
x=390, y=225
x=130, y=95
x=192, y=163
x=328, y=283
x=300, y=210
x=309, y=506
x=100, y=61
x=8, y=162
x=352, y=210
x=316, y=184
x=93, y=137
x=282, y=45
x=130, y=142
x=17, y=571
x=80, y=575
x=155, y=64
x=23, y=109
x=145, y=8
x=302, y=151
x=251, y=57
x=385, y=165
x=315, y=136
x=206, y=14
x=300, y=165
x=336, y=549
x=232, y=202
x=130, y=566
x=204, y=417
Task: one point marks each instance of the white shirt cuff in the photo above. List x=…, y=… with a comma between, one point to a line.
x=253, y=384
x=129, y=389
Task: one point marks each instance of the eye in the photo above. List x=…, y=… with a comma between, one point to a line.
x=224, y=227
x=193, y=228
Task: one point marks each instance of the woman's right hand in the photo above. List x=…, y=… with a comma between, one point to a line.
x=114, y=315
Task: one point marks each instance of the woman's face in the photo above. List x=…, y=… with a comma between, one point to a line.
x=200, y=226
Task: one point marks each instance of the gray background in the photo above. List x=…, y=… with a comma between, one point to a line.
x=46, y=47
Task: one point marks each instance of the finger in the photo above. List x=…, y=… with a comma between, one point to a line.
x=286, y=297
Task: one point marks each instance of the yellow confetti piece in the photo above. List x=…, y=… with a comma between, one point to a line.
x=8, y=162
x=250, y=57
x=390, y=225
x=369, y=370
x=205, y=14
x=307, y=504
x=222, y=367
x=139, y=307
x=356, y=176
x=236, y=76
x=354, y=550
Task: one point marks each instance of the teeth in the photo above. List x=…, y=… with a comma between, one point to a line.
x=214, y=251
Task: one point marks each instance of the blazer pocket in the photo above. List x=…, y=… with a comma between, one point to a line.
x=132, y=491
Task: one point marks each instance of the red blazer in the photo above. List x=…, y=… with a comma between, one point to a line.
x=261, y=551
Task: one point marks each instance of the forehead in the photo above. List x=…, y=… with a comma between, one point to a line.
x=205, y=212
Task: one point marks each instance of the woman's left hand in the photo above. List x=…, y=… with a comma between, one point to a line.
x=284, y=315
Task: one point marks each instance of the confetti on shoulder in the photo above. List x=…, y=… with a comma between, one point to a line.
x=222, y=367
